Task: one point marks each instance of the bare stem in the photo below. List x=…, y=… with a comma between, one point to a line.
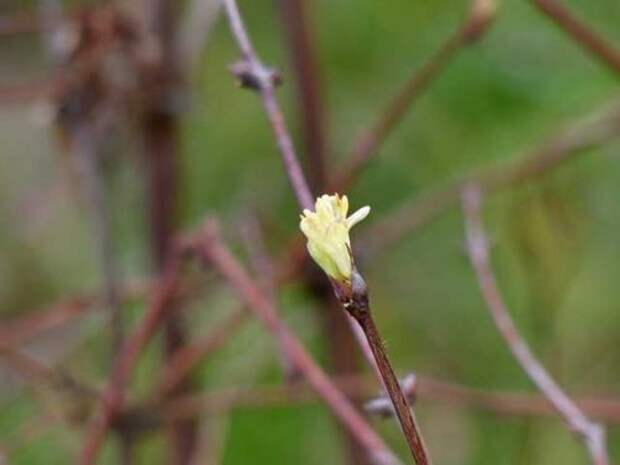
x=372, y=138
x=361, y=313
x=301, y=42
x=590, y=40
x=591, y=433
x=253, y=74
x=187, y=357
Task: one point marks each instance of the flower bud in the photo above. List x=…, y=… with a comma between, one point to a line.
x=327, y=230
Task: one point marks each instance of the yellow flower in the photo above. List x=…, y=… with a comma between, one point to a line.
x=327, y=229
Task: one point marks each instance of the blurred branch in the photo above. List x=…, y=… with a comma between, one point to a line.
x=160, y=133
x=254, y=75
x=87, y=139
x=23, y=329
x=36, y=322
x=186, y=358
x=588, y=39
x=112, y=399
x=591, y=433
x=424, y=389
x=263, y=269
x=212, y=251
x=585, y=135
x=27, y=367
x=369, y=141
x=301, y=45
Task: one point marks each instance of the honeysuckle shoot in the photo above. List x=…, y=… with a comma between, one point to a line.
x=327, y=230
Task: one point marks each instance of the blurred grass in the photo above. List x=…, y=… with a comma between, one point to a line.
x=556, y=251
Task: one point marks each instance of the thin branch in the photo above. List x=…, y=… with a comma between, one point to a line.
x=262, y=266
x=424, y=389
x=353, y=297
x=27, y=367
x=35, y=323
x=591, y=433
x=87, y=137
x=253, y=74
x=185, y=359
x=585, y=135
x=300, y=42
x=588, y=39
x=214, y=252
x=112, y=398
x=369, y=141
x=160, y=123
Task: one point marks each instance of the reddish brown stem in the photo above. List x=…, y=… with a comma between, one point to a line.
x=303, y=55
x=407, y=420
x=591, y=41
x=161, y=151
x=372, y=138
x=113, y=396
x=186, y=358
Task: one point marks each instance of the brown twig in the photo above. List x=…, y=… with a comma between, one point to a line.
x=354, y=299
x=26, y=366
x=112, y=398
x=370, y=139
x=36, y=322
x=160, y=133
x=186, y=358
x=214, y=252
x=588, y=39
x=254, y=75
x=591, y=433
x=577, y=139
x=300, y=41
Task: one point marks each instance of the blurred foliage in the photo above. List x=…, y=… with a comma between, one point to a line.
x=556, y=248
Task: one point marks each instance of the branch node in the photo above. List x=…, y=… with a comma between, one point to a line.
x=255, y=76
x=481, y=16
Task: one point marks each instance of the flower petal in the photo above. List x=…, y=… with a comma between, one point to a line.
x=358, y=216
